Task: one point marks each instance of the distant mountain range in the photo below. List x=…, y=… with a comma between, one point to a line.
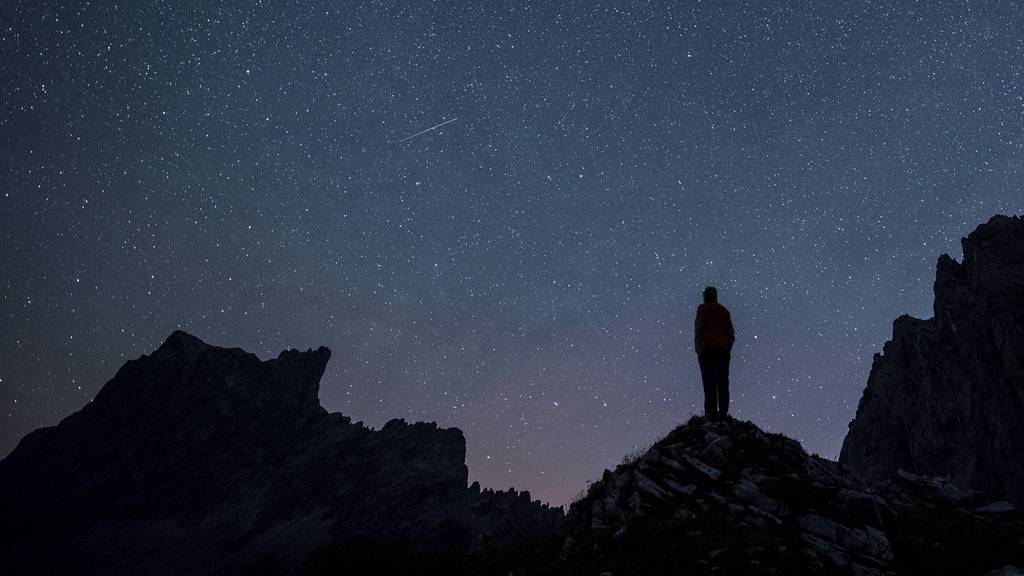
x=198, y=459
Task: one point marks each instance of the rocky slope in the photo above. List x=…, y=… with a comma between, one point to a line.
x=946, y=396
x=201, y=460
x=727, y=498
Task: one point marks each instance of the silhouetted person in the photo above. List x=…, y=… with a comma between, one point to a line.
x=713, y=338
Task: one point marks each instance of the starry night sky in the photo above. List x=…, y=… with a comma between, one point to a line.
x=528, y=272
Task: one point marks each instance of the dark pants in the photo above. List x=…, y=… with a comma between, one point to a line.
x=714, y=371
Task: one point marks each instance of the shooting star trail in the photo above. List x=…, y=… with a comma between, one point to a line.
x=428, y=129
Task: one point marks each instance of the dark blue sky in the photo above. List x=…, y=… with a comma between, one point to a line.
x=528, y=272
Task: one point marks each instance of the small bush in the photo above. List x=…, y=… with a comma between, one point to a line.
x=633, y=455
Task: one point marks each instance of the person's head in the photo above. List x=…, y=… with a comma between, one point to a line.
x=711, y=294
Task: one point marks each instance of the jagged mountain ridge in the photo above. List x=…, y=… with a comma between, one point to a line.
x=946, y=396
x=201, y=459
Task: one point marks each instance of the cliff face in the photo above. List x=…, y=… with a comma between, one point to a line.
x=200, y=459
x=946, y=396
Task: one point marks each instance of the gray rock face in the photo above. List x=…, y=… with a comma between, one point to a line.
x=200, y=460
x=946, y=396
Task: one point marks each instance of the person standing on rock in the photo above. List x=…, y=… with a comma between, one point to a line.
x=713, y=339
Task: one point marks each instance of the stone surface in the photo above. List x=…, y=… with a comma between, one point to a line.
x=999, y=507
x=946, y=396
x=735, y=517
x=771, y=508
x=200, y=459
x=1007, y=571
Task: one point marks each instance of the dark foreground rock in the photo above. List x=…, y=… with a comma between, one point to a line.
x=727, y=498
x=206, y=460
x=946, y=396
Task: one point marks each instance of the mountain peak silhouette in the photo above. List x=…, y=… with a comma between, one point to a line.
x=202, y=459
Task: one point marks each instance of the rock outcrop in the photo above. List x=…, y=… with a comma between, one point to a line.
x=727, y=498
x=201, y=460
x=946, y=396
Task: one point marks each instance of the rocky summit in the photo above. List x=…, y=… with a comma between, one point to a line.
x=726, y=498
x=946, y=396
x=205, y=460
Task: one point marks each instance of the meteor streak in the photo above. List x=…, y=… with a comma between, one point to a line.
x=428, y=129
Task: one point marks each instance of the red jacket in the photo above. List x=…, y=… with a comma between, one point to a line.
x=713, y=327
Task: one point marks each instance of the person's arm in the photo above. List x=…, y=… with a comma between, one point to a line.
x=698, y=334
x=732, y=333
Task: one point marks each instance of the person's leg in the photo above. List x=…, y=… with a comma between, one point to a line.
x=723, y=383
x=710, y=389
